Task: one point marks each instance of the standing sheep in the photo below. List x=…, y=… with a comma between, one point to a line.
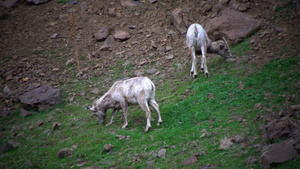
x=197, y=40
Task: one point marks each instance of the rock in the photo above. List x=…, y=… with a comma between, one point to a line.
x=28, y=163
x=150, y=164
x=168, y=48
x=109, y=44
x=279, y=153
x=121, y=137
x=179, y=20
x=9, y=3
x=257, y=106
x=64, y=152
x=190, y=161
x=7, y=90
x=84, y=6
x=73, y=2
x=42, y=98
x=70, y=61
x=121, y=35
x=5, y=147
x=14, y=143
x=54, y=36
x=39, y=123
x=138, y=73
x=152, y=1
x=151, y=71
x=169, y=57
x=108, y=147
x=112, y=12
x=174, y=35
x=278, y=129
x=225, y=144
x=128, y=62
x=102, y=34
x=234, y=25
x=95, y=91
x=25, y=113
x=129, y=3
x=55, y=125
x=36, y=2
x=6, y=113
x=162, y=153
x=37, y=50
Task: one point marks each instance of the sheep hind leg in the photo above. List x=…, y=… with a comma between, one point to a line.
x=153, y=104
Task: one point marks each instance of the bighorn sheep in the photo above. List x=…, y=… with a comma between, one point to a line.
x=197, y=40
x=138, y=90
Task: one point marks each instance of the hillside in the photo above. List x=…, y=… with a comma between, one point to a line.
x=238, y=104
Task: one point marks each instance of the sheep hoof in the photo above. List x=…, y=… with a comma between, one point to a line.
x=159, y=123
x=191, y=73
x=124, y=126
x=108, y=124
x=195, y=76
x=207, y=74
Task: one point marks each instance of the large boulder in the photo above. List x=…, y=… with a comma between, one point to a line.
x=42, y=98
x=279, y=153
x=232, y=24
x=179, y=20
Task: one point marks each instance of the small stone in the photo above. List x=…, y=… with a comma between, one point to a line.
x=108, y=147
x=7, y=90
x=37, y=50
x=162, y=153
x=168, y=48
x=121, y=35
x=95, y=91
x=190, y=161
x=25, y=113
x=102, y=34
x=39, y=123
x=169, y=57
x=54, y=36
x=55, y=69
x=64, y=152
x=152, y=1
x=225, y=144
x=70, y=61
x=84, y=6
x=152, y=71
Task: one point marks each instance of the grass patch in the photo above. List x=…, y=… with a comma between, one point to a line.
x=217, y=106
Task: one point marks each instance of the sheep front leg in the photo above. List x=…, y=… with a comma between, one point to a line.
x=193, y=71
x=124, y=107
x=203, y=60
x=112, y=117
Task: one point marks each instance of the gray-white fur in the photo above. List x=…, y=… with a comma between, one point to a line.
x=197, y=40
x=138, y=90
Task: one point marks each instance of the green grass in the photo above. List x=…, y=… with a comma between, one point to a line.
x=216, y=106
